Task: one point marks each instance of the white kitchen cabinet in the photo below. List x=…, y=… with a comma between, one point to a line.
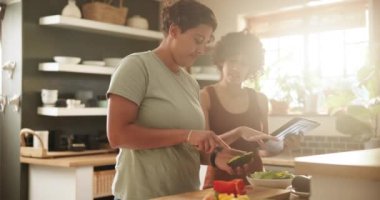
x=69, y=177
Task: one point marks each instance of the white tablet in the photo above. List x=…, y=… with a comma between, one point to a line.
x=295, y=126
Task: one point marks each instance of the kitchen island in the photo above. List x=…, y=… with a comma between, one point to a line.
x=71, y=178
x=346, y=175
x=254, y=193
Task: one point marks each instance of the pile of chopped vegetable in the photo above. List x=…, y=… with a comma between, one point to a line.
x=272, y=175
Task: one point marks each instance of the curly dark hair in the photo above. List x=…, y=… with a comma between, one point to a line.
x=187, y=14
x=239, y=43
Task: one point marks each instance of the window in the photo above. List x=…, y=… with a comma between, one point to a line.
x=309, y=50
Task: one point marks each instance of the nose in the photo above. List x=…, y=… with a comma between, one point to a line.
x=235, y=66
x=201, y=49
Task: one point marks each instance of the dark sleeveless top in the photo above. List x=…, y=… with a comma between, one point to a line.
x=221, y=121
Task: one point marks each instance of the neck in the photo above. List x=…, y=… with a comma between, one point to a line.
x=233, y=89
x=166, y=56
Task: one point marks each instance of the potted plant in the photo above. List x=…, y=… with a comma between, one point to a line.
x=361, y=121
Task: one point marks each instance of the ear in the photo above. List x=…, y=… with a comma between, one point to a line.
x=174, y=30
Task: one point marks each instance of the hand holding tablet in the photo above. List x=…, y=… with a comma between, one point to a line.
x=294, y=126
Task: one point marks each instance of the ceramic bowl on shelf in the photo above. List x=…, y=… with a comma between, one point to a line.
x=94, y=62
x=67, y=60
x=112, y=62
x=138, y=22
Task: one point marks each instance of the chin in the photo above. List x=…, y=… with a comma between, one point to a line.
x=237, y=83
x=187, y=63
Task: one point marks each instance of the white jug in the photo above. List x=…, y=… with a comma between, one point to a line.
x=71, y=10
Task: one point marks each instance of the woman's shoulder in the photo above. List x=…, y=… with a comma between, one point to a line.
x=138, y=60
x=139, y=56
x=205, y=95
x=261, y=97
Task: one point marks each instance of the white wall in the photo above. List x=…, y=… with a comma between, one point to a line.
x=228, y=11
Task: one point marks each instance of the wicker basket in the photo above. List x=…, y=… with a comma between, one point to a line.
x=102, y=183
x=105, y=12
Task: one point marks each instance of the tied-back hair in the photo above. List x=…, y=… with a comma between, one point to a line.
x=239, y=43
x=186, y=14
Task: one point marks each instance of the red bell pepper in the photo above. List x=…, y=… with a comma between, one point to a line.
x=235, y=186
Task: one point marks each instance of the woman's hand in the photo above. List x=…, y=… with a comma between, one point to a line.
x=253, y=135
x=293, y=141
x=205, y=140
x=225, y=155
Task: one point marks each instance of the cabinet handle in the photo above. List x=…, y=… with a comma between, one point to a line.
x=16, y=102
x=9, y=66
x=3, y=103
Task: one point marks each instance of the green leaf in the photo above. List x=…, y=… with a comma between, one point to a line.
x=374, y=109
x=340, y=99
x=360, y=112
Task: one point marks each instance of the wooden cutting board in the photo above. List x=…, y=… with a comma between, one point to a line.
x=254, y=193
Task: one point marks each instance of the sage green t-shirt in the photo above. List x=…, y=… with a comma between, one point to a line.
x=166, y=100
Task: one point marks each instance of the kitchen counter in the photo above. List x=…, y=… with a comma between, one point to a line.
x=255, y=193
x=70, y=177
x=74, y=161
x=345, y=175
x=280, y=160
x=364, y=164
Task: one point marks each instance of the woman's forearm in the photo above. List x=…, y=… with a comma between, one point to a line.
x=134, y=136
x=231, y=136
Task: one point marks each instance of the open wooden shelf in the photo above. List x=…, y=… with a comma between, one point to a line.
x=99, y=27
x=66, y=112
x=86, y=69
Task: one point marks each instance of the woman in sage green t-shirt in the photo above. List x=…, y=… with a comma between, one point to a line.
x=154, y=115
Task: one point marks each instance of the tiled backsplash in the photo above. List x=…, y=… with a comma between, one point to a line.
x=313, y=144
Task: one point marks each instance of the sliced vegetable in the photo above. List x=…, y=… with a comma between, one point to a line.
x=235, y=186
x=240, y=160
x=232, y=197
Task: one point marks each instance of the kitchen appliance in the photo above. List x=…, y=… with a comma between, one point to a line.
x=62, y=144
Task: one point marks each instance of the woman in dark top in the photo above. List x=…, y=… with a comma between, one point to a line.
x=238, y=115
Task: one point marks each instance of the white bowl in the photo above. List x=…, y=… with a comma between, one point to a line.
x=138, y=22
x=94, y=62
x=112, y=62
x=66, y=60
x=273, y=183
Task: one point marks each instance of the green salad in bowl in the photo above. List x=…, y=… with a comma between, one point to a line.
x=275, y=179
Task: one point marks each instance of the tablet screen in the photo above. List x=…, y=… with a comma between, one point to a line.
x=295, y=126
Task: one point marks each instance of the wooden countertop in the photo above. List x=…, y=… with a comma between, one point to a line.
x=109, y=159
x=75, y=161
x=363, y=164
x=287, y=161
x=254, y=193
